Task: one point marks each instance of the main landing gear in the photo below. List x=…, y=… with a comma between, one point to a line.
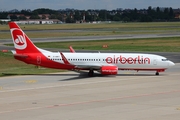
x=91, y=73
x=157, y=73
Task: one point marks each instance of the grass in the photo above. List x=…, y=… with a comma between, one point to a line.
x=94, y=29
x=117, y=25
x=171, y=44
x=47, y=34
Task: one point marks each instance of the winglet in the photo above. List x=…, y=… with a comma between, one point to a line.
x=71, y=49
x=64, y=59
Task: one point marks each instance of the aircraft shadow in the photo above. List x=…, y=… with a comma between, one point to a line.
x=74, y=76
x=85, y=76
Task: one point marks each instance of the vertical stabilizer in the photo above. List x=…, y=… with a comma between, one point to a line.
x=21, y=41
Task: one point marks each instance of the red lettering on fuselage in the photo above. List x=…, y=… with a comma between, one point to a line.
x=128, y=60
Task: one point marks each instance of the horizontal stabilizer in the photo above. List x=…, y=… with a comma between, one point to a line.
x=21, y=55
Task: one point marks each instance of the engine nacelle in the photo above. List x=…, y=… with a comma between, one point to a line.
x=109, y=70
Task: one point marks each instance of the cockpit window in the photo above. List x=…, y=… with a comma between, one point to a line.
x=164, y=59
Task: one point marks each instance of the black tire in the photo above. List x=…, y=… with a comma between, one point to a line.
x=157, y=73
x=91, y=73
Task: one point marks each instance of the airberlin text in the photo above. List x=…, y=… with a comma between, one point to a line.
x=127, y=60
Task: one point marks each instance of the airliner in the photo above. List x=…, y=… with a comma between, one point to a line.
x=104, y=63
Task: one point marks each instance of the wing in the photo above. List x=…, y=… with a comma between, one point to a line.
x=83, y=67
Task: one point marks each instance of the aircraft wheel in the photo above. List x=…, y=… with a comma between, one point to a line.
x=91, y=73
x=157, y=73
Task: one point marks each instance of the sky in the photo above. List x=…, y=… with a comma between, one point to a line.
x=6, y=5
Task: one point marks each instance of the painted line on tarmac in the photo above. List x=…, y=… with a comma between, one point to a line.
x=91, y=101
x=30, y=81
x=1, y=88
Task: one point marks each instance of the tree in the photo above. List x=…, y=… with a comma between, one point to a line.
x=45, y=11
x=171, y=13
x=71, y=15
x=3, y=15
x=22, y=18
x=53, y=16
x=103, y=15
x=145, y=18
x=134, y=15
x=26, y=12
x=34, y=17
x=166, y=14
x=149, y=9
x=116, y=18
x=157, y=9
x=69, y=19
x=126, y=19
x=13, y=17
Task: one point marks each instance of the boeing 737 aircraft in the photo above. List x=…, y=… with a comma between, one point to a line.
x=105, y=63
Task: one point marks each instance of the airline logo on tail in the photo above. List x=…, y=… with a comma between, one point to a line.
x=19, y=39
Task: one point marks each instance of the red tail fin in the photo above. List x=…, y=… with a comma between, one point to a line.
x=21, y=41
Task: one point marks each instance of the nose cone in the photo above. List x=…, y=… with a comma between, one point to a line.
x=171, y=63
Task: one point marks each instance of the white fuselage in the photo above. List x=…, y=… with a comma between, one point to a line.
x=121, y=60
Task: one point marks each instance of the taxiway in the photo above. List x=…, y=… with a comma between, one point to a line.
x=68, y=96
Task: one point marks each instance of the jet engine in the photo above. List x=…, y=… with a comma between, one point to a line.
x=109, y=70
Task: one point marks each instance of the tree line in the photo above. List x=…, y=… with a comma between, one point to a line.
x=72, y=15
